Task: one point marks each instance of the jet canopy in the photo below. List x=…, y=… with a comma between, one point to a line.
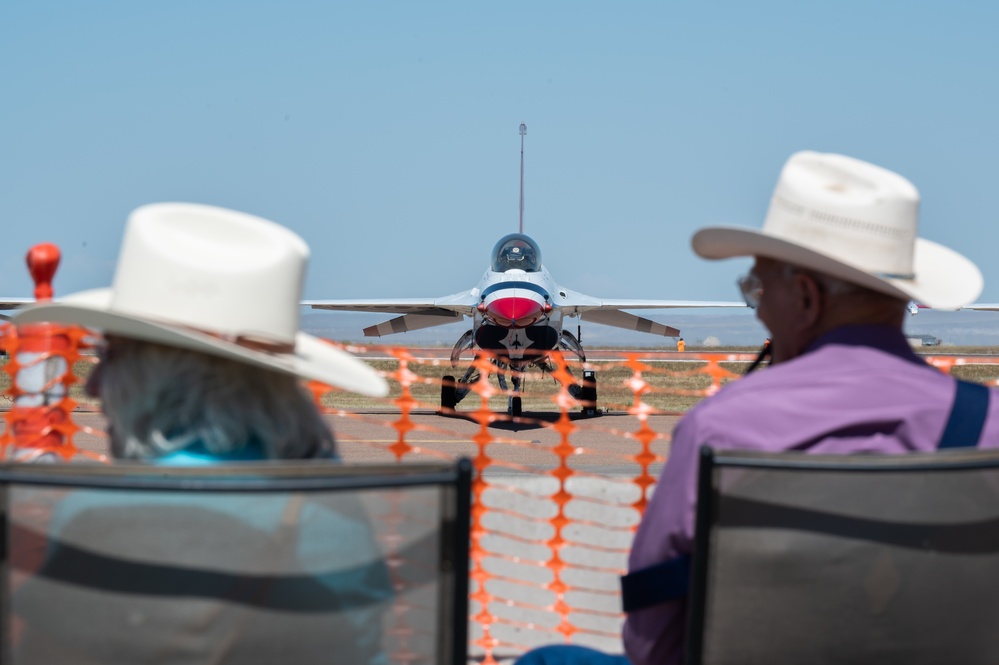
x=516, y=251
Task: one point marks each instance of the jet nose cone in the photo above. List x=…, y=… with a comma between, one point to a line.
x=513, y=312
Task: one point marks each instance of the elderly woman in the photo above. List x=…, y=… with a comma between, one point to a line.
x=172, y=405
x=203, y=351
x=202, y=363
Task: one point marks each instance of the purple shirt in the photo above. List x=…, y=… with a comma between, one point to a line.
x=858, y=389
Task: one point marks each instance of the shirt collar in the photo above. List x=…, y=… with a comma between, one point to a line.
x=887, y=339
x=196, y=454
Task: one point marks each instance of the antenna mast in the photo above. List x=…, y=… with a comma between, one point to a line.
x=523, y=133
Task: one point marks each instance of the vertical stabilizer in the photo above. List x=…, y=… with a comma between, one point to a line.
x=523, y=133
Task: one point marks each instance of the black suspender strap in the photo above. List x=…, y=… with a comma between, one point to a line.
x=967, y=416
x=656, y=584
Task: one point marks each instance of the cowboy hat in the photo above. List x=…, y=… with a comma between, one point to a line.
x=855, y=221
x=216, y=281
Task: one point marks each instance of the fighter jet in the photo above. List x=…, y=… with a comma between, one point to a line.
x=518, y=313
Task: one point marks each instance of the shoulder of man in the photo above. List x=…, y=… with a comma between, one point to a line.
x=742, y=399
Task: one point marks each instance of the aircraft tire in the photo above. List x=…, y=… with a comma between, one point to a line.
x=588, y=395
x=449, y=396
x=516, y=408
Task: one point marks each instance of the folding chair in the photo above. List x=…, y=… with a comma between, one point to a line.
x=846, y=559
x=274, y=562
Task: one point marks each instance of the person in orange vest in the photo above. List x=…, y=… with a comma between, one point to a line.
x=680, y=345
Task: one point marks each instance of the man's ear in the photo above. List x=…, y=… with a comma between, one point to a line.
x=809, y=298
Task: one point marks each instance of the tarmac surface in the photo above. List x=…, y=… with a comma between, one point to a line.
x=518, y=501
x=602, y=442
x=521, y=475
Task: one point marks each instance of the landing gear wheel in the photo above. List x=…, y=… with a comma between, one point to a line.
x=515, y=407
x=588, y=395
x=449, y=396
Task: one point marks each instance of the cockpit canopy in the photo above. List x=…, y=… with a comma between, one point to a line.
x=516, y=251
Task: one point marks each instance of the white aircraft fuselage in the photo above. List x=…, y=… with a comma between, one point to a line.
x=518, y=316
x=517, y=309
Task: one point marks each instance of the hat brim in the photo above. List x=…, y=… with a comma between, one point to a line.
x=943, y=279
x=313, y=358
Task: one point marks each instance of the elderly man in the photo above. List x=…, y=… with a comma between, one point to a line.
x=836, y=262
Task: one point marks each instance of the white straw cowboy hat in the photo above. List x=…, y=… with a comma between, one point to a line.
x=852, y=220
x=216, y=281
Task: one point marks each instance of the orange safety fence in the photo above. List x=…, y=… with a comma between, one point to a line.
x=550, y=535
x=557, y=495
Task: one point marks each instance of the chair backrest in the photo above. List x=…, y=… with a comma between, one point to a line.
x=846, y=559
x=245, y=563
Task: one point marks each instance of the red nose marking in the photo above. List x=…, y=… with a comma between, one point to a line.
x=514, y=312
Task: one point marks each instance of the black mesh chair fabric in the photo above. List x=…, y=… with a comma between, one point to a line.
x=247, y=564
x=846, y=559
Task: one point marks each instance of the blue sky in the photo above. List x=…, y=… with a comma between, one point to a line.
x=385, y=133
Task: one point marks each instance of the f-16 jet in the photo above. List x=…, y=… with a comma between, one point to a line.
x=518, y=314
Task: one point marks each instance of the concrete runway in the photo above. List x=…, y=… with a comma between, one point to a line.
x=602, y=442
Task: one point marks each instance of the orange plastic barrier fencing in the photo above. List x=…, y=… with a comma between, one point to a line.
x=39, y=404
x=557, y=495
x=550, y=535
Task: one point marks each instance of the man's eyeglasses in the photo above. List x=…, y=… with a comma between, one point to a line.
x=751, y=288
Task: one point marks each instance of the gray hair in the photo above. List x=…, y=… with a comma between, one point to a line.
x=160, y=399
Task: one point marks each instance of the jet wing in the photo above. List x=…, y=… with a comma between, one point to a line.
x=980, y=306
x=408, y=322
x=619, y=319
x=459, y=303
x=608, y=312
x=418, y=313
x=14, y=303
x=577, y=303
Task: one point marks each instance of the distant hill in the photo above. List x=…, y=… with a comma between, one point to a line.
x=965, y=328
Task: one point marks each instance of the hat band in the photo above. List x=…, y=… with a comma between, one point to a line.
x=250, y=342
x=892, y=275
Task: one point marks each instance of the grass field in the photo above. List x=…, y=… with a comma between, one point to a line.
x=671, y=386
x=665, y=386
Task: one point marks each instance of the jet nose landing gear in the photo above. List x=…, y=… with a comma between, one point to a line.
x=515, y=407
x=454, y=391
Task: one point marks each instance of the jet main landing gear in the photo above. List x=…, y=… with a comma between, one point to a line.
x=449, y=395
x=453, y=391
x=588, y=394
